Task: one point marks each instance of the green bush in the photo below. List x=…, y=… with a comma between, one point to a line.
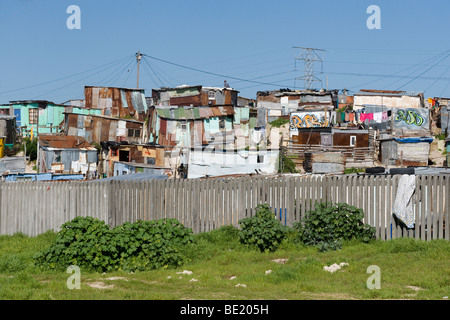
x=263, y=230
x=286, y=165
x=90, y=244
x=145, y=245
x=277, y=123
x=328, y=225
x=31, y=148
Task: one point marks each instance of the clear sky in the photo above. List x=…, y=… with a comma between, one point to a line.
x=249, y=43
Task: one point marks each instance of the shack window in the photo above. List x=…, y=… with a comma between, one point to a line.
x=58, y=156
x=124, y=155
x=211, y=95
x=352, y=141
x=136, y=133
x=33, y=115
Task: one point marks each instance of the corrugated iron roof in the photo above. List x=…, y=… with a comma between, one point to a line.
x=367, y=92
x=64, y=142
x=193, y=113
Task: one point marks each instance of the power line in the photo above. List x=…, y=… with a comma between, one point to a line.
x=63, y=78
x=212, y=73
x=424, y=72
x=425, y=64
x=152, y=70
x=381, y=77
x=67, y=85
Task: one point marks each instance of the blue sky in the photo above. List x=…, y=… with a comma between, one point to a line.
x=248, y=43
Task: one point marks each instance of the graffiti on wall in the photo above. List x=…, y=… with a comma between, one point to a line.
x=409, y=117
x=309, y=120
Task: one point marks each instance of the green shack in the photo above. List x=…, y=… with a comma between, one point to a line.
x=40, y=116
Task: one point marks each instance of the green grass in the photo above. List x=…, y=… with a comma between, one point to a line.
x=410, y=269
x=279, y=122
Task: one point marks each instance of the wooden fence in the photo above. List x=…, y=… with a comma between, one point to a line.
x=206, y=204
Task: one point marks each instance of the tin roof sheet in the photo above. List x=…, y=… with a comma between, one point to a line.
x=193, y=113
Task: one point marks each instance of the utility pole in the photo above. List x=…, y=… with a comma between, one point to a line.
x=138, y=59
x=309, y=55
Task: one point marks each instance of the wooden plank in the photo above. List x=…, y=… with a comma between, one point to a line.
x=365, y=196
x=373, y=205
x=389, y=200
x=434, y=234
x=383, y=207
x=308, y=193
x=447, y=209
x=440, y=212
x=429, y=208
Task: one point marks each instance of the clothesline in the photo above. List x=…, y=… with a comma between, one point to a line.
x=359, y=117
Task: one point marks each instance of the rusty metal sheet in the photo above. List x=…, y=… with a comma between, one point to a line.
x=328, y=157
x=88, y=97
x=63, y=142
x=186, y=101
x=112, y=130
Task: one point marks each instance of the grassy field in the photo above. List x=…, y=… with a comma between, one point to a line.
x=223, y=269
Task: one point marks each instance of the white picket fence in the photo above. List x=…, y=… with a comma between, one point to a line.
x=206, y=204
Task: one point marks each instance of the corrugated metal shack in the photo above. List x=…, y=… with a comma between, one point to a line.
x=324, y=162
x=139, y=154
x=125, y=168
x=285, y=101
x=195, y=96
x=8, y=130
x=66, y=154
x=412, y=151
x=117, y=102
x=9, y=165
x=355, y=144
x=193, y=126
x=97, y=128
x=388, y=99
x=211, y=163
x=40, y=116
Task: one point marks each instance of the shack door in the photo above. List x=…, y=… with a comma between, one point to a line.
x=17, y=114
x=325, y=139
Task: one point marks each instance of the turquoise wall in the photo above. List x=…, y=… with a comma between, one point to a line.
x=52, y=115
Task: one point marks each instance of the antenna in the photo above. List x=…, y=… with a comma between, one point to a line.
x=309, y=55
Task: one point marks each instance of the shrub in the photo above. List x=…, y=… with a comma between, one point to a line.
x=90, y=244
x=263, y=230
x=31, y=148
x=277, y=123
x=286, y=165
x=83, y=241
x=330, y=224
x=145, y=245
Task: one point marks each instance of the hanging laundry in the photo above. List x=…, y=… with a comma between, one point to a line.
x=338, y=117
x=403, y=208
x=384, y=115
x=366, y=116
x=389, y=113
x=377, y=117
x=351, y=117
x=332, y=117
x=342, y=116
x=347, y=117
